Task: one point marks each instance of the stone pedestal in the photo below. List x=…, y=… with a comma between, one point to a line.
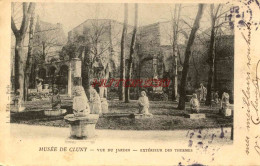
x=95, y=108
x=32, y=91
x=104, y=105
x=18, y=106
x=226, y=111
x=45, y=86
x=19, y=109
x=196, y=116
x=69, y=82
x=45, y=91
x=76, y=67
x=82, y=127
x=74, y=75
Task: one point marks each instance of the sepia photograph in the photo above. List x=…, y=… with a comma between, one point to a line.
x=83, y=74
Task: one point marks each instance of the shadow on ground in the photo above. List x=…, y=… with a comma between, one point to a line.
x=166, y=117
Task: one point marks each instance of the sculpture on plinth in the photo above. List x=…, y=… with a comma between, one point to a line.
x=83, y=120
x=95, y=102
x=56, y=101
x=224, y=104
x=39, y=85
x=143, y=103
x=103, y=99
x=55, y=105
x=216, y=97
x=224, y=100
x=203, y=92
x=194, y=103
x=80, y=102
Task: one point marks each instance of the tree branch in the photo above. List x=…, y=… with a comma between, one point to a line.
x=13, y=26
x=26, y=15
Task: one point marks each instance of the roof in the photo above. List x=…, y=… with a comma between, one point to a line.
x=50, y=32
x=98, y=20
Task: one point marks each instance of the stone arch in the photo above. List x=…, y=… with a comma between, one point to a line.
x=62, y=79
x=52, y=71
x=42, y=73
x=64, y=70
x=145, y=65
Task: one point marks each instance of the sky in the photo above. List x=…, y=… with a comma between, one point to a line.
x=72, y=14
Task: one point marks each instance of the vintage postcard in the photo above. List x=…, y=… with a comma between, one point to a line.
x=130, y=82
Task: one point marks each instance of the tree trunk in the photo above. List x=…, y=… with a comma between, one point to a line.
x=33, y=75
x=174, y=51
x=122, y=60
x=130, y=62
x=86, y=72
x=19, y=67
x=44, y=50
x=175, y=65
x=28, y=66
x=19, y=57
x=196, y=70
x=185, y=70
x=211, y=65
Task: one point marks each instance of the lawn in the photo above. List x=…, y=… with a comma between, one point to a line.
x=166, y=116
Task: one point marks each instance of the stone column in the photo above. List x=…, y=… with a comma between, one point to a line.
x=176, y=74
x=69, y=81
x=76, y=65
x=75, y=72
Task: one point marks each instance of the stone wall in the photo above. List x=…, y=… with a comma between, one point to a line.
x=154, y=42
x=225, y=65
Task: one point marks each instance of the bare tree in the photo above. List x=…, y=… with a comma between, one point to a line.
x=216, y=14
x=122, y=59
x=176, y=20
x=19, y=34
x=96, y=50
x=132, y=50
x=185, y=70
x=29, y=61
x=50, y=39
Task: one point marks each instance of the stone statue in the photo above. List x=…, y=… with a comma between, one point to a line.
x=203, y=92
x=224, y=100
x=103, y=96
x=39, y=85
x=194, y=103
x=143, y=103
x=82, y=122
x=80, y=102
x=95, y=102
x=56, y=101
x=216, y=97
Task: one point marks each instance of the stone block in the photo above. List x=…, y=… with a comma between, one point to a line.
x=57, y=112
x=104, y=105
x=45, y=91
x=196, y=116
x=227, y=112
x=18, y=109
x=82, y=127
x=143, y=116
x=45, y=86
x=32, y=91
